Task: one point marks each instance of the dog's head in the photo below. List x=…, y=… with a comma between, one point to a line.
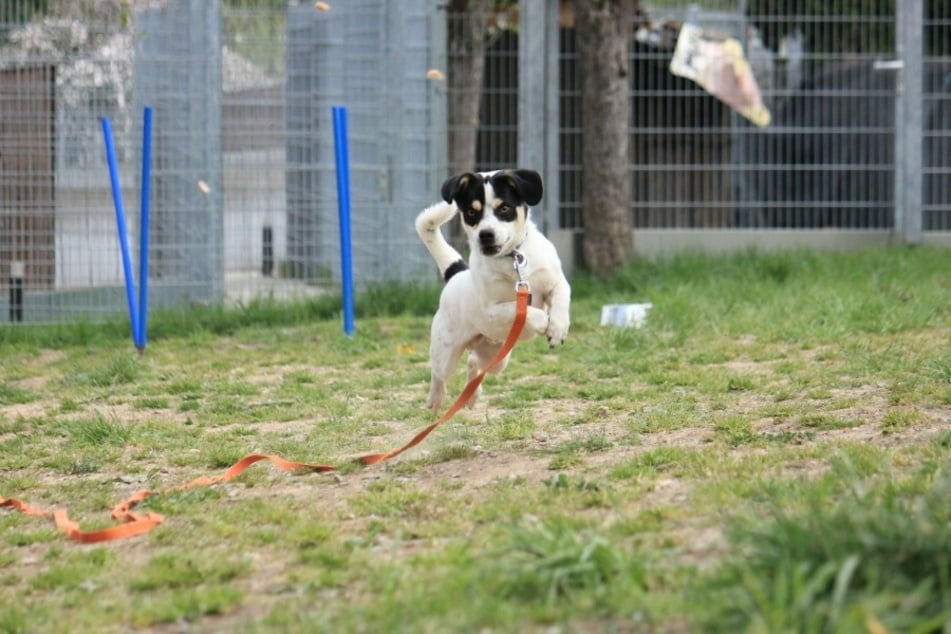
x=494, y=207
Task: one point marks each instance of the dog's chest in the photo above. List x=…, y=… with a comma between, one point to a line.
x=500, y=279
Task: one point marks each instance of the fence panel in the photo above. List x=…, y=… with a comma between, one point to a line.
x=936, y=198
x=371, y=57
x=243, y=186
x=27, y=159
x=177, y=71
x=244, y=195
x=55, y=202
x=826, y=160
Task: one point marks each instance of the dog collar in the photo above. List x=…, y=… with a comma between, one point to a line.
x=520, y=263
x=515, y=251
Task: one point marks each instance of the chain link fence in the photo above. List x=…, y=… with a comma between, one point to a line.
x=244, y=200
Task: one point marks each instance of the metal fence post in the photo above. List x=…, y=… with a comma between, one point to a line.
x=538, y=113
x=909, y=137
x=552, y=173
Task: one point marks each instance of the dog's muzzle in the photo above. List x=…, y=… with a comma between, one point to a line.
x=487, y=243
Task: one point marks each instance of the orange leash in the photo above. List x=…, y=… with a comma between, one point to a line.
x=132, y=523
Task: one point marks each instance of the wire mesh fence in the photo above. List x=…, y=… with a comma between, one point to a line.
x=244, y=195
x=936, y=105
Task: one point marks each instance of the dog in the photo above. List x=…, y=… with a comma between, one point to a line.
x=477, y=303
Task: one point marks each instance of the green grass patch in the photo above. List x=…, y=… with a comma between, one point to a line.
x=767, y=454
x=876, y=556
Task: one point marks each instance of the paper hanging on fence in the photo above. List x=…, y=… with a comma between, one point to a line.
x=718, y=66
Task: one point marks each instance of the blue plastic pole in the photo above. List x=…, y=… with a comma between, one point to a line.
x=144, y=230
x=120, y=223
x=343, y=207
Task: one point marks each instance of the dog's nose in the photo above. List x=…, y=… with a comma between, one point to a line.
x=486, y=237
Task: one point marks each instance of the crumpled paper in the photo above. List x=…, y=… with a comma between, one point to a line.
x=719, y=67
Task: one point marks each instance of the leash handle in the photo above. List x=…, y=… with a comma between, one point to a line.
x=132, y=524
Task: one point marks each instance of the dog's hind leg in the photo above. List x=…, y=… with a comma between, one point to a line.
x=444, y=361
x=480, y=356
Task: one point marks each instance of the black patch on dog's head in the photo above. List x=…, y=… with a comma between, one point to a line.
x=519, y=186
x=512, y=187
x=468, y=192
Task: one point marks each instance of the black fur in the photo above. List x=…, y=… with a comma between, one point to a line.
x=456, y=267
x=465, y=190
x=513, y=187
x=525, y=184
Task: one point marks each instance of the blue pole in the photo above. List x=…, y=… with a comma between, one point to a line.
x=120, y=223
x=144, y=230
x=343, y=207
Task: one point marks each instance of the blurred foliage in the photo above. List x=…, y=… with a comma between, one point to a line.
x=88, y=11
x=254, y=29
x=251, y=27
x=274, y=5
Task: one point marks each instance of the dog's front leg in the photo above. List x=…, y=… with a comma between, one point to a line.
x=499, y=318
x=559, y=303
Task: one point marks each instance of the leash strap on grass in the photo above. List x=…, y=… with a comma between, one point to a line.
x=132, y=523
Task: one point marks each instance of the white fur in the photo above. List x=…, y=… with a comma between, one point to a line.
x=477, y=305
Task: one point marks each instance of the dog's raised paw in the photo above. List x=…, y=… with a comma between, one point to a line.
x=538, y=322
x=556, y=334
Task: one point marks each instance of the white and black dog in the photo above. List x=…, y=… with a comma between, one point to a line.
x=477, y=305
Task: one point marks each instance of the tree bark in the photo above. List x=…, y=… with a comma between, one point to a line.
x=604, y=30
x=466, y=68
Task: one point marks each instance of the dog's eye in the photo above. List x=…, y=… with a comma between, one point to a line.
x=505, y=212
x=471, y=216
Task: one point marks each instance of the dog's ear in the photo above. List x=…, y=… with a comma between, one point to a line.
x=528, y=184
x=456, y=184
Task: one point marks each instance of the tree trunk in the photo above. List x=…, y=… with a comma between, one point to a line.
x=604, y=37
x=466, y=68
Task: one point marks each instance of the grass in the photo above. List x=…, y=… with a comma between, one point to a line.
x=768, y=454
x=884, y=557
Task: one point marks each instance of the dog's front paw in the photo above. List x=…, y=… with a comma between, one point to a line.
x=537, y=320
x=556, y=331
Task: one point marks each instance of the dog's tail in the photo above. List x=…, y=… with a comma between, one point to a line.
x=428, y=224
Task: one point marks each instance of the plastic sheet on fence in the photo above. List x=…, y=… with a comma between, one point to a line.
x=719, y=67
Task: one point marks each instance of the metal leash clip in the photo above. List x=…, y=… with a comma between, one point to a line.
x=520, y=264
